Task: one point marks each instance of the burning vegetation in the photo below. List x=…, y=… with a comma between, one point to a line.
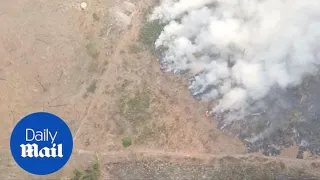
x=256, y=60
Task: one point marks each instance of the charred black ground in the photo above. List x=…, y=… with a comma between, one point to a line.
x=292, y=118
x=284, y=118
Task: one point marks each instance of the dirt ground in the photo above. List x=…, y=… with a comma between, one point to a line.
x=89, y=67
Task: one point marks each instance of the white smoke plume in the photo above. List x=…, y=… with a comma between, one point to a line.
x=239, y=50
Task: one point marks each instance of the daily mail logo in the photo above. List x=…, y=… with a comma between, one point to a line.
x=41, y=143
x=32, y=150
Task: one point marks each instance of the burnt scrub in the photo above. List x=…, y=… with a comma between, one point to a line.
x=258, y=67
x=284, y=118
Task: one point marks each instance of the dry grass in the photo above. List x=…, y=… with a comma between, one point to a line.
x=136, y=109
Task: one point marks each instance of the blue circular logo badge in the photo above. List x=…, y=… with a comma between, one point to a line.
x=41, y=143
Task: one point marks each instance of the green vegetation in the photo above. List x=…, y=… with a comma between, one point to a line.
x=91, y=173
x=150, y=33
x=77, y=174
x=92, y=88
x=126, y=142
x=92, y=50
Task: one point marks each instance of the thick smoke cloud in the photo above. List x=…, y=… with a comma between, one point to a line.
x=239, y=51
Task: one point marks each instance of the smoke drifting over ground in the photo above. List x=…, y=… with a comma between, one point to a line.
x=248, y=56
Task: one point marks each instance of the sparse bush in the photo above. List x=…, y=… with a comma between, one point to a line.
x=126, y=142
x=77, y=174
x=91, y=173
x=92, y=88
x=96, y=17
x=92, y=50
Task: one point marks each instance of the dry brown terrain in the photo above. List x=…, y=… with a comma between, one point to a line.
x=89, y=67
